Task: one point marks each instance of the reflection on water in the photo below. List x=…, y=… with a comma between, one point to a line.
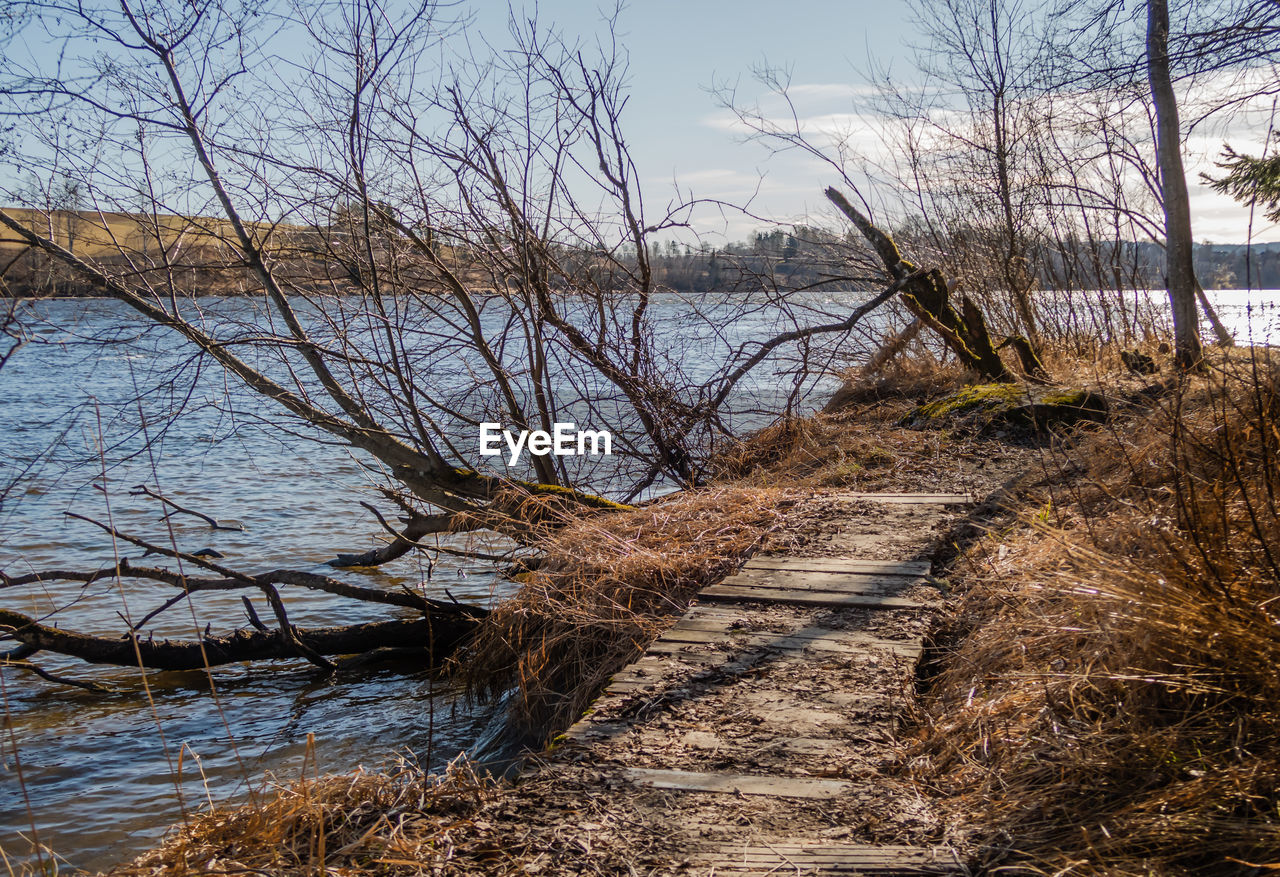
x=105, y=773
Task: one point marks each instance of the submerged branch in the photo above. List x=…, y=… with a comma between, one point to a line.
x=143, y=490
x=192, y=584
x=53, y=677
x=437, y=635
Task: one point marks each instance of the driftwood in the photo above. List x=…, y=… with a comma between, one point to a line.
x=437, y=636
x=927, y=296
x=435, y=628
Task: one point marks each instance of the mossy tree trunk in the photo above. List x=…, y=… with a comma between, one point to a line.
x=929, y=299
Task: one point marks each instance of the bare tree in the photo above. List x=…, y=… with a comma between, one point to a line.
x=1218, y=52
x=1028, y=153
x=412, y=250
x=981, y=59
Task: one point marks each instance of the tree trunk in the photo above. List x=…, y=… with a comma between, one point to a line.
x=926, y=295
x=438, y=635
x=1179, y=270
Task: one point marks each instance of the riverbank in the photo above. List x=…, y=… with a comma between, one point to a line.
x=1097, y=698
x=1106, y=701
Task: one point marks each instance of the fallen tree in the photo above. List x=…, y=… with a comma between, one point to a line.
x=434, y=629
x=927, y=295
x=435, y=637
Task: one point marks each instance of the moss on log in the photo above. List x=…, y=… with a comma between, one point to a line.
x=982, y=407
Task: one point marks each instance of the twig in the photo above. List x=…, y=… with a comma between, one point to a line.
x=51, y=677
x=178, y=598
x=418, y=543
x=253, y=615
x=143, y=490
x=167, y=552
x=290, y=636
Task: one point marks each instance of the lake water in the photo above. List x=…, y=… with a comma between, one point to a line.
x=99, y=776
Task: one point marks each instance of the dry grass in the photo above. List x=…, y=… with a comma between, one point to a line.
x=1114, y=707
x=401, y=821
x=864, y=449
x=609, y=585
x=856, y=440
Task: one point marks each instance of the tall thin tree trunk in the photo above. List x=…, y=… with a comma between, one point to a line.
x=1179, y=270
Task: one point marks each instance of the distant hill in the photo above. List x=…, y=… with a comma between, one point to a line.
x=99, y=234
x=201, y=247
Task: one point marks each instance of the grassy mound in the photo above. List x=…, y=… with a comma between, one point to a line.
x=991, y=406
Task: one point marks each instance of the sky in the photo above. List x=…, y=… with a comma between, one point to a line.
x=680, y=136
x=687, y=145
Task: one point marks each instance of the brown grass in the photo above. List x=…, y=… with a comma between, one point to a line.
x=1111, y=705
x=1114, y=707
x=399, y=821
x=610, y=584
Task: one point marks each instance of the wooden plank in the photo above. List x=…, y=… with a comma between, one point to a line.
x=689, y=644
x=831, y=582
x=655, y=668
x=787, y=867
x=710, y=741
x=805, y=598
x=669, y=670
x=727, y=621
x=781, y=868
x=914, y=498
x=718, y=612
x=634, y=682
x=843, y=855
x=699, y=629
x=637, y=683
x=843, y=564
x=834, y=863
x=596, y=732
x=670, y=660
x=587, y=731
x=705, y=655
x=745, y=618
x=843, y=642
x=829, y=858
x=728, y=783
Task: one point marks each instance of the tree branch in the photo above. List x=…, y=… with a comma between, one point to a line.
x=439, y=636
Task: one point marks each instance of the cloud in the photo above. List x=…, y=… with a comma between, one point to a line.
x=836, y=119
x=711, y=175
x=832, y=90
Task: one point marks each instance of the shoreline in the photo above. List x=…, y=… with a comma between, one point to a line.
x=1007, y=575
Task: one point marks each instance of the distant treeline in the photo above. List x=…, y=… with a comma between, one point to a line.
x=191, y=253
x=809, y=257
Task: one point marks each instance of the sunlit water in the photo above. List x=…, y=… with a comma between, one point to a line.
x=99, y=776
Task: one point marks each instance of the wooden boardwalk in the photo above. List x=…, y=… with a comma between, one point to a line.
x=764, y=715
